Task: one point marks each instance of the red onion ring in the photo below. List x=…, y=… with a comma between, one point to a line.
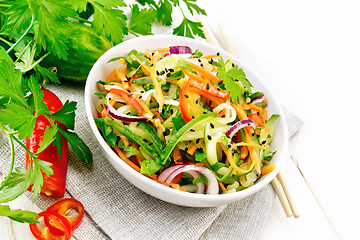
x=212, y=185
x=257, y=99
x=115, y=114
x=239, y=125
x=180, y=50
x=167, y=171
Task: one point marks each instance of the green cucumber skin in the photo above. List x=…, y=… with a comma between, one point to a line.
x=85, y=47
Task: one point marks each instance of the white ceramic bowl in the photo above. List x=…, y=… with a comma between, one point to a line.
x=102, y=69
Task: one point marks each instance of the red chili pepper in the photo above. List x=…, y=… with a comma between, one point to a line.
x=57, y=222
x=207, y=89
x=184, y=103
x=129, y=99
x=201, y=88
x=257, y=119
x=54, y=185
x=64, y=206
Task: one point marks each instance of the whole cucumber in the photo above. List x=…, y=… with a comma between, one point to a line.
x=85, y=47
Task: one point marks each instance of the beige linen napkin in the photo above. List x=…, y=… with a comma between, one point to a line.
x=117, y=210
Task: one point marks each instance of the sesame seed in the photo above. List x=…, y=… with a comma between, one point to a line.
x=212, y=125
x=192, y=130
x=168, y=74
x=187, y=96
x=218, y=54
x=201, y=65
x=154, y=116
x=186, y=149
x=233, y=65
x=229, y=145
x=209, y=137
x=207, y=86
x=263, y=142
x=157, y=104
x=130, y=94
x=162, y=72
x=197, y=140
x=171, y=70
x=157, y=72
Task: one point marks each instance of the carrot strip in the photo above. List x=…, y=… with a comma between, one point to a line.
x=161, y=50
x=222, y=187
x=104, y=113
x=203, y=71
x=192, y=149
x=268, y=169
x=242, y=115
x=210, y=56
x=112, y=101
x=176, y=186
x=112, y=76
x=125, y=159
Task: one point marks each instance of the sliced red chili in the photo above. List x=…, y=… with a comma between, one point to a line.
x=129, y=99
x=64, y=206
x=57, y=222
x=257, y=119
x=184, y=103
x=206, y=89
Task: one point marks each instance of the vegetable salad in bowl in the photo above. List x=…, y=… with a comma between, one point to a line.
x=187, y=120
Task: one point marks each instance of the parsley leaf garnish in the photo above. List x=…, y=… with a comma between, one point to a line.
x=78, y=146
x=189, y=28
x=18, y=214
x=234, y=80
x=141, y=20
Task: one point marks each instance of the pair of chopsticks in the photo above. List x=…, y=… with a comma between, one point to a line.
x=278, y=183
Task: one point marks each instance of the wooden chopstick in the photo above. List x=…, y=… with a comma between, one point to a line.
x=279, y=183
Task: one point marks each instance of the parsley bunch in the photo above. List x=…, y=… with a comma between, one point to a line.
x=49, y=19
x=21, y=102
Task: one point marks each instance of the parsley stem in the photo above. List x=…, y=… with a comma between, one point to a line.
x=22, y=145
x=5, y=41
x=81, y=19
x=22, y=36
x=23, y=52
x=12, y=161
x=36, y=63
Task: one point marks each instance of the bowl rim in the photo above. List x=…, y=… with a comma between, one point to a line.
x=226, y=198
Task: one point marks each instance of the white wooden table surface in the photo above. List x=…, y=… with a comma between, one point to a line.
x=307, y=52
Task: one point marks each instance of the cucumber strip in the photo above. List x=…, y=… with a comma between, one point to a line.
x=141, y=81
x=154, y=138
x=130, y=135
x=200, y=134
x=176, y=137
